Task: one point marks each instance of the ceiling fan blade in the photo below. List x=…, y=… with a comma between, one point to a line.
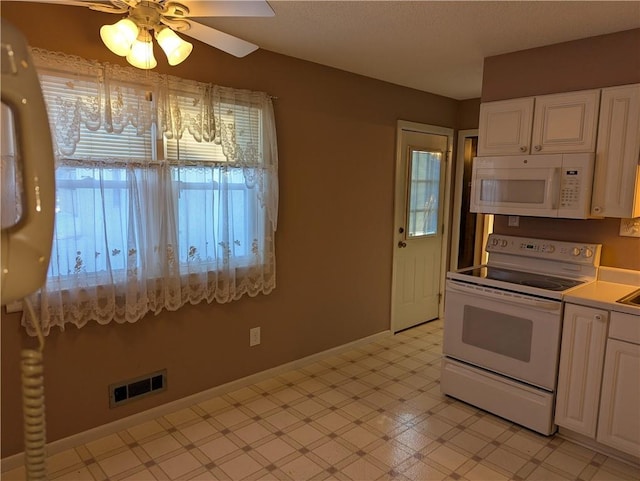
x=220, y=40
x=77, y=3
x=229, y=8
x=99, y=5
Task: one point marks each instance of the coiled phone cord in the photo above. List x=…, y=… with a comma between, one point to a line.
x=33, y=405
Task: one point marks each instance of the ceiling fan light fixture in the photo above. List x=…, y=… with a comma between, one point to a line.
x=175, y=48
x=141, y=53
x=120, y=36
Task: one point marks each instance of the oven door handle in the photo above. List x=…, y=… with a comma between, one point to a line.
x=503, y=296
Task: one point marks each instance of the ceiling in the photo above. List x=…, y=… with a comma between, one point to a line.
x=434, y=46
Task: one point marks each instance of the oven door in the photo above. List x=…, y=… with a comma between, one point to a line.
x=512, y=334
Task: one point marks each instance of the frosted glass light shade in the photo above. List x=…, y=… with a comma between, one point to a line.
x=141, y=53
x=120, y=36
x=174, y=47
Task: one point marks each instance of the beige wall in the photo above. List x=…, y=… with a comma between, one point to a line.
x=468, y=114
x=588, y=63
x=336, y=137
x=582, y=64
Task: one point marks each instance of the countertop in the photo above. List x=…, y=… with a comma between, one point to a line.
x=611, y=285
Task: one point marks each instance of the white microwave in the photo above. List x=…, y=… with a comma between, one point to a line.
x=550, y=185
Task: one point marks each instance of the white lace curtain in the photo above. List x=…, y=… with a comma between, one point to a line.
x=166, y=192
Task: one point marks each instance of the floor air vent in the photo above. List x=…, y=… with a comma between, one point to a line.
x=126, y=391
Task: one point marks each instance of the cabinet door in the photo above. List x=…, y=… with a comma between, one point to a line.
x=616, y=184
x=505, y=127
x=565, y=122
x=584, y=336
x=619, y=424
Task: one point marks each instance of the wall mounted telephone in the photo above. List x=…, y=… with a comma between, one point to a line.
x=25, y=242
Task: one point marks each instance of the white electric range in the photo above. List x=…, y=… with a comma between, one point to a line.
x=502, y=326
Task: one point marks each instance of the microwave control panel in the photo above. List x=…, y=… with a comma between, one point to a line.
x=570, y=191
x=576, y=177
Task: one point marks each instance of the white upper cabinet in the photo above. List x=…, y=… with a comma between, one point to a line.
x=505, y=127
x=548, y=124
x=616, y=186
x=565, y=122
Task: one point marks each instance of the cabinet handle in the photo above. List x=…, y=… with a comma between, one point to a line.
x=538, y=148
x=598, y=317
x=523, y=148
x=597, y=210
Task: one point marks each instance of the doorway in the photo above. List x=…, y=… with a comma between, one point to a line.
x=421, y=229
x=469, y=230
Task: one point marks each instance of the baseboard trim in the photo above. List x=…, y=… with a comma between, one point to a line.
x=589, y=443
x=84, y=437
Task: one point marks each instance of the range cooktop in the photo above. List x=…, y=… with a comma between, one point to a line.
x=539, y=281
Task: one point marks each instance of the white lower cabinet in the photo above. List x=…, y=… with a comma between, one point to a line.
x=584, y=337
x=598, y=394
x=619, y=423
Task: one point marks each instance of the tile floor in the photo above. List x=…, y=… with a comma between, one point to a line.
x=374, y=412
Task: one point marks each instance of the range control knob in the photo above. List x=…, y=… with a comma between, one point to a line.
x=575, y=251
x=550, y=249
x=587, y=252
x=503, y=243
x=494, y=241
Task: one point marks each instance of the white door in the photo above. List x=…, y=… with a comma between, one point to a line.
x=422, y=167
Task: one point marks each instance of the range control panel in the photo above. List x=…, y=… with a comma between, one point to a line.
x=573, y=252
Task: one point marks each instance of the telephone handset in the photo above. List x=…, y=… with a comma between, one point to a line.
x=26, y=246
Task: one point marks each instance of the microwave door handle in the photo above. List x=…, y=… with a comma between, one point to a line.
x=503, y=297
x=555, y=188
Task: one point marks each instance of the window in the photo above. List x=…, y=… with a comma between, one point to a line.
x=166, y=192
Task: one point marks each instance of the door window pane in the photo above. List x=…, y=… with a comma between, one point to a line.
x=424, y=192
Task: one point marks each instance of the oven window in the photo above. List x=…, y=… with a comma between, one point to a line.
x=497, y=332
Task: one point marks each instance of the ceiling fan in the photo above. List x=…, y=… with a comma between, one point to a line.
x=131, y=36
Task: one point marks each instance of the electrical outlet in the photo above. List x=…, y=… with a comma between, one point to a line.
x=15, y=306
x=514, y=221
x=630, y=227
x=254, y=336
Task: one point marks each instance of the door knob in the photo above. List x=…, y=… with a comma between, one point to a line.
x=402, y=244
